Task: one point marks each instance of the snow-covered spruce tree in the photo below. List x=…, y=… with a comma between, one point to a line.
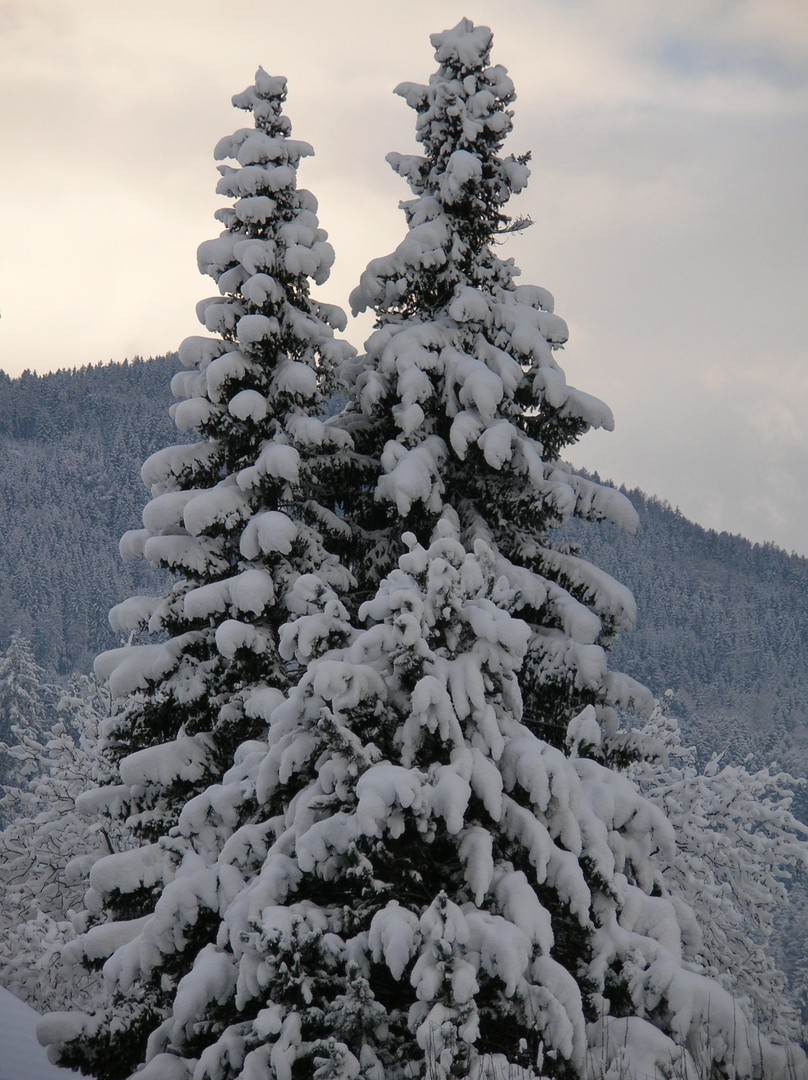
x=235, y=516
x=228, y=513
x=460, y=405
x=462, y=411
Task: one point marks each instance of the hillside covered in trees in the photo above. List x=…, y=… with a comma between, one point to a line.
x=71, y=445
x=721, y=621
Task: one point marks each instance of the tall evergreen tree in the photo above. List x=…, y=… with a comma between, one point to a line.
x=460, y=406
x=231, y=513
x=235, y=517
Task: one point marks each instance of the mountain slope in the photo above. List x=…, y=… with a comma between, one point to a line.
x=722, y=622
x=71, y=446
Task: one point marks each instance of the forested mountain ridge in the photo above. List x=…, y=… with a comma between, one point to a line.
x=71, y=447
x=722, y=621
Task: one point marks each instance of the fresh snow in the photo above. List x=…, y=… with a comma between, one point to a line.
x=21, y=1056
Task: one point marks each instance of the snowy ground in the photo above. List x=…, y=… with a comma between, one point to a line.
x=21, y=1056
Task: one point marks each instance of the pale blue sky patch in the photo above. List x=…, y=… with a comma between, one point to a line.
x=695, y=58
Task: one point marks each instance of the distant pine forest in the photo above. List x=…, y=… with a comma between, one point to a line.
x=722, y=622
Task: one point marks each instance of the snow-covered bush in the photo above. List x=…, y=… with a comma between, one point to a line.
x=27, y=701
x=737, y=847
x=47, y=848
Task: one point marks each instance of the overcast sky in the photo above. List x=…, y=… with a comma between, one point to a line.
x=669, y=195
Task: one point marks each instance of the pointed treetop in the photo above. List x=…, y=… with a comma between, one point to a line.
x=460, y=182
x=265, y=100
x=464, y=45
x=465, y=91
